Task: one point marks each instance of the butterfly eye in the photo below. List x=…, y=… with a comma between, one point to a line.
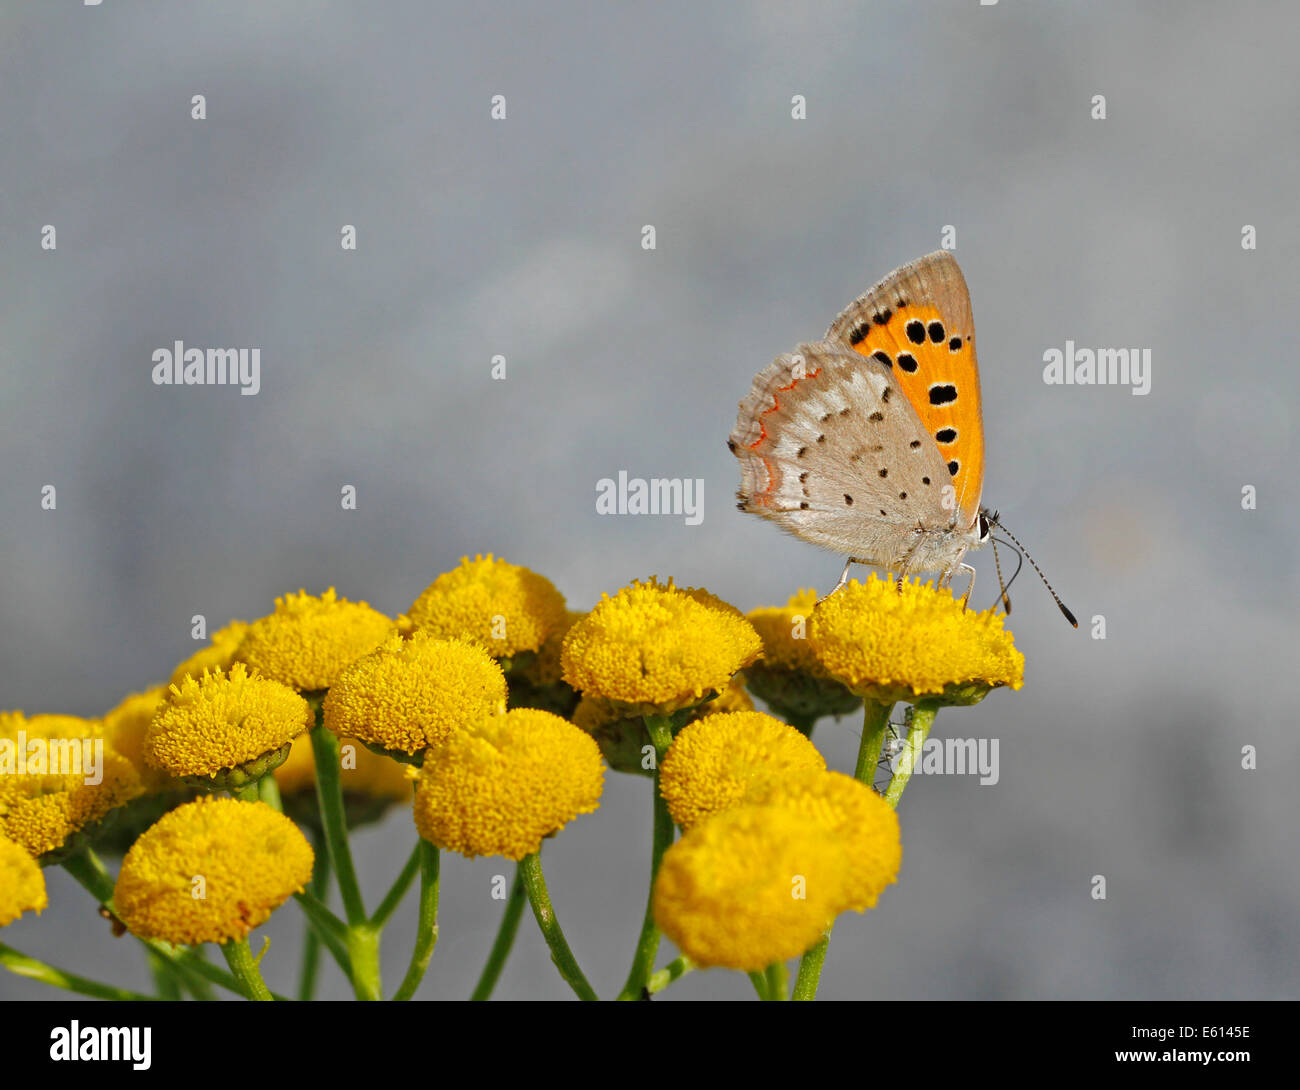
x=984, y=527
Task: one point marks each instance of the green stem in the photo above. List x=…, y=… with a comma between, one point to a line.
x=674, y=970
x=659, y=728
x=426, y=932
x=327, y=928
x=22, y=965
x=535, y=883
x=875, y=725
x=917, y=731
x=363, y=956
x=394, y=896
x=504, y=941
x=875, y=722
x=240, y=959
x=810, y=970
x=778, y=982
x=311, y=943
x=164, y=977
x=268, y=790
x=759, y=980
x=329, y=794
x=183, y=967
x=247, y=793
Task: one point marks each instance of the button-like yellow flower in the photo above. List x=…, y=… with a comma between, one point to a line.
x=655, y=648
x=505, y=609
x=22, y=885
x=125, y=728
x=408, y=695
x=715, y=762
x=307, y=641
x=219, y=654
x=211, y=871
x=502, y=785
x=537, y=681
x=863, y=824
x=789, y=678
x=53, y=811
x=226, y=729
x=749, y=887
x=889, y=646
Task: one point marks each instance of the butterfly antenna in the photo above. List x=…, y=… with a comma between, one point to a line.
x=1006, y=598
x=1055, y=597
x=1020, y=563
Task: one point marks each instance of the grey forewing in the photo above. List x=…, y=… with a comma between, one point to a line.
x=842, y=459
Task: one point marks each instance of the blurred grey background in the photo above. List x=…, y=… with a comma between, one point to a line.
x=1120, y=757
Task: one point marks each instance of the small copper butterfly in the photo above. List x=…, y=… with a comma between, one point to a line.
x=870, y=442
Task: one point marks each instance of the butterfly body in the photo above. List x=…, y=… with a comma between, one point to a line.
x=870, y=441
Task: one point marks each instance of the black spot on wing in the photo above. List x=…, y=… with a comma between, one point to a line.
x=943, y=393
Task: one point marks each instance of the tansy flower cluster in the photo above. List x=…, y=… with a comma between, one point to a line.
x=482, y=721
x=774, y=846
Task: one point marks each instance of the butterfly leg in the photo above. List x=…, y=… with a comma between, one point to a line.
x=844, y=578
x=907, y=561
x=966, y=569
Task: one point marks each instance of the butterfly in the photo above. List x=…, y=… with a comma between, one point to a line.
x=870, y=442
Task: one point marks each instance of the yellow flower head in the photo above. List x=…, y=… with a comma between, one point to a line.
x=544, y=669
x=47, y=804
x=789, y=678
x=749, y=887
x=227, y=728
x=657, y=648
x=890, y=646
x=307, y=641
x=503, y=608
x=125, y=728
x=860, y=821
x=715, y=762
x=248, y=857
x=22, y=885
x=408, y=695
x=502, y=785
x=784, y=632
x=50, y=727
x=217, y=655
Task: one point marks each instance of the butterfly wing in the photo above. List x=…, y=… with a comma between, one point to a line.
x=917, y=324
x=833, y=451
